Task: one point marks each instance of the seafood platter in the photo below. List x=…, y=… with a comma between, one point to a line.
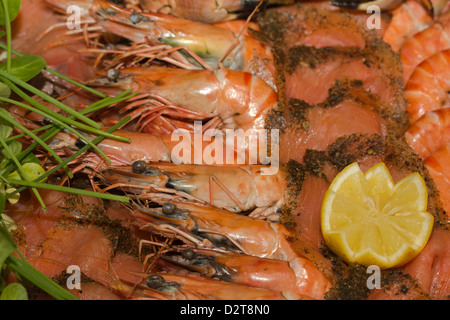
x=225, y=150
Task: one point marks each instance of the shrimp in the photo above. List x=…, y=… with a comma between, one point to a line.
x=430, y=132
x=425, y=44
x=268, y=240
x=211, y=43
x=427, y=89
x=234, y=188
x=240, y=99
x=164, y=286
x=247, y=270
x=208, y=11
x=408, y=19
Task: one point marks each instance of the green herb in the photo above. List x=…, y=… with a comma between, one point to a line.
x=13, y=8
x=14, y=291
x=25, y=68
x=20, y=169
x=74, y=156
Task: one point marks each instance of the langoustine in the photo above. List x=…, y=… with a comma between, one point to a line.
x=211, y=43
x=238, y=99
x=194, y=222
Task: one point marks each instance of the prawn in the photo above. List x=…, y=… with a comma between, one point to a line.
x=240, y=99
x=429, y=133
x=182, y=147
x=164, y=286
x=208, y=11
x=427, y=89
x=197, y=223
x=213, y=45
x=408, y=19
x=425, y=44
x=247, y=270
x=234, y=188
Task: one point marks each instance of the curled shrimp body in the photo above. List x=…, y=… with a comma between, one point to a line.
x=425, y=44
x=240, y=99
x=408, y=19
x=430, y=132
x=234, y=188
x=428, y=87
x=268, y=240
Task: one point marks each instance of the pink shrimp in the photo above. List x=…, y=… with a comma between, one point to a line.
x=428, y=86
x=430, y=132
x=407, y=19
x=425, y=44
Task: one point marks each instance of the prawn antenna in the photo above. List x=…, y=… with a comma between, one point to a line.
x=236, y=39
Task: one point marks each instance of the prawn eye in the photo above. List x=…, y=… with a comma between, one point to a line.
x=155, y=281
x=169, y=208
x=80, y=143
x=109, y=46
x=139, y=166
x=188, y=254
x=47, y=121
x=136, y=17
x=112, y=74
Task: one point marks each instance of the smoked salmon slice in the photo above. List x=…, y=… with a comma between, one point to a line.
x=348, y=109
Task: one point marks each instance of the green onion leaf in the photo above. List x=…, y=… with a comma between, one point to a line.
x=6, y=246
x=15, y=147
x=24, y=269
x=5, y=127
x=32, y=184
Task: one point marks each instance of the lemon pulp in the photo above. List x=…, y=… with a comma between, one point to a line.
x=368, y=219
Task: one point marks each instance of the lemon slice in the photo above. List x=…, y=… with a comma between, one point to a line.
x=368, y=219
